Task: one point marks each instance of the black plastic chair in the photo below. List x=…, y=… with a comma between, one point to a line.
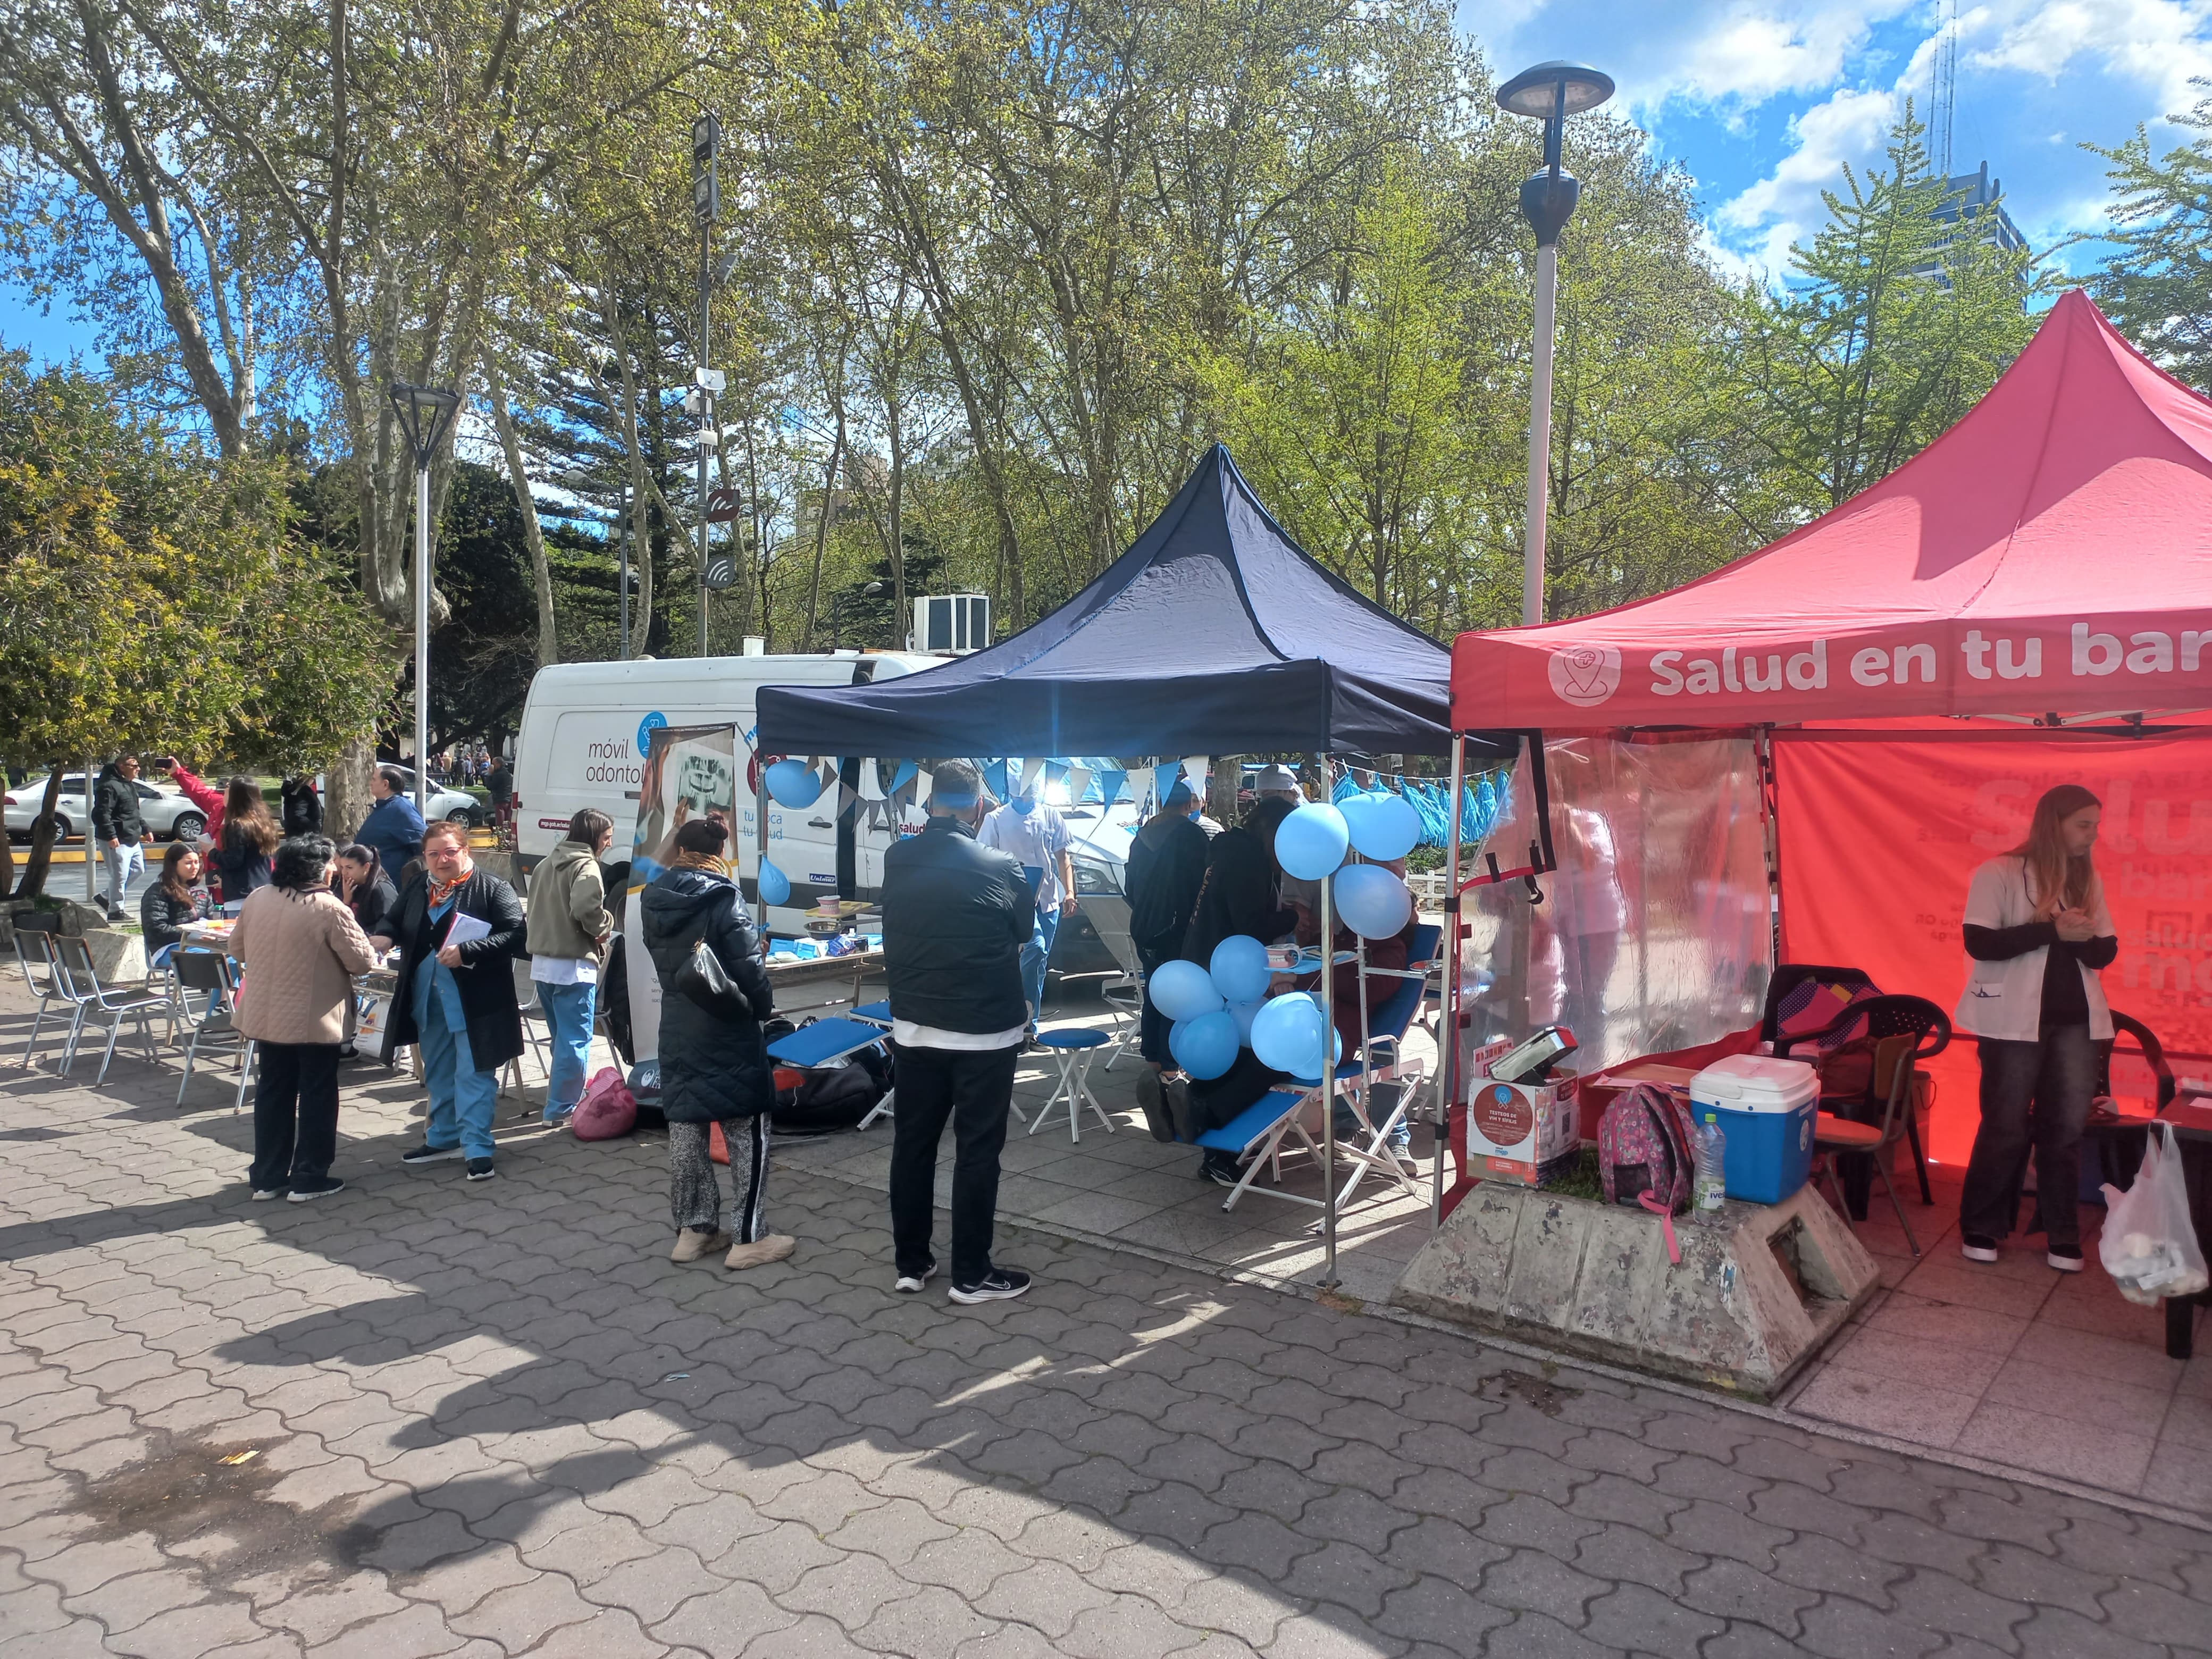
x=1788, y=976
x=1882, y=1018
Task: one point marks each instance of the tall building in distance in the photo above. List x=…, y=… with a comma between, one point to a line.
x=1975, y=201
x=1973, y=206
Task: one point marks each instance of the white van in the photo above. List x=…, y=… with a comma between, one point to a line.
x=582, y=741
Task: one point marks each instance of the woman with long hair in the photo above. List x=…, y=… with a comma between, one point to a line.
x=178, y=898
x=2037, y=932
x=245, y=844
x=358, y=878
x=301, y=949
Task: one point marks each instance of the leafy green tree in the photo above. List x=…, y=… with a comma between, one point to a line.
x=2157, y=282
x=153, y=596
x=1893, y=325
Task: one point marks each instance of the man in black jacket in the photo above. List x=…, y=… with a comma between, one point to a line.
x=956, y=916
x=118, y=829
x=1166, y=867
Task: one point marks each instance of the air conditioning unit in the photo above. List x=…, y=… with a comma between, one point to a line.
x=957, y=623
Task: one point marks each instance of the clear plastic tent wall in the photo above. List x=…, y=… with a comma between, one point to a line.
x=1655, y=931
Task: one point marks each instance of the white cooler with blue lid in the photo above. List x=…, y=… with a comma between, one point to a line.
x=1766, y=1108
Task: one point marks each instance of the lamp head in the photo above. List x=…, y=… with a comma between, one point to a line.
x=1551, y=91
x=423, y=413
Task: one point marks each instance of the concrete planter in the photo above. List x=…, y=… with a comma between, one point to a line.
x=1593, y=1279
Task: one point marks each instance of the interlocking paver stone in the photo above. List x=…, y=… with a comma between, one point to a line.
x=497, y=1423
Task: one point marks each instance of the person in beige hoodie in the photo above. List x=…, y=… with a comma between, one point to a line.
x=300, y=947
x=570, y=927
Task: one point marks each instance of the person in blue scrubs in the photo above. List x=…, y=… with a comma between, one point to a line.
x=456, y=1002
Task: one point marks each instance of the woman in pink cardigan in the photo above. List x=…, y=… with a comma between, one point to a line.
x=300, y=948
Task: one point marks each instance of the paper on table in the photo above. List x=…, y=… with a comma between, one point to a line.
x=466, y=927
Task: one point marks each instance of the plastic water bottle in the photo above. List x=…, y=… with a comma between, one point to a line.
x=1710, y=1187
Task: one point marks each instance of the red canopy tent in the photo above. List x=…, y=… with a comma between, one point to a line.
x=2051, y=553
x=2046, y=563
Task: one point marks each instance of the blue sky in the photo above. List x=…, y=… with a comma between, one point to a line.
x=1763, y=101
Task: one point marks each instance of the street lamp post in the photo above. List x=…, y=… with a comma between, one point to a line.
x=836, y=603
x=1551, y=93
x=424, y=412
x=705, y=207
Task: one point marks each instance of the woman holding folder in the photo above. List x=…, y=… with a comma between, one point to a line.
x=458, y=930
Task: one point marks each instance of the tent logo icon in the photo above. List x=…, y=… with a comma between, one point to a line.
x=1585, y=674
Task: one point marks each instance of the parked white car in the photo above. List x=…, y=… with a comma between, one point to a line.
x=167, y=812
x=451, y=805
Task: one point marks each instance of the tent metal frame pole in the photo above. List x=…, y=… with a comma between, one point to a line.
x=1447, y=1031
x=1328, y=1277
x=760, y=838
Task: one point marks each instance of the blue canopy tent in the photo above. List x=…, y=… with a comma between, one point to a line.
x=1214, y=633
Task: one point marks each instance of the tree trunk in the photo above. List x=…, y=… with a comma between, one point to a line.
x=345, y=792
x=518, y=473
x=1221, y=788
x=822, y=518
x=42, y=838
x=640, y=536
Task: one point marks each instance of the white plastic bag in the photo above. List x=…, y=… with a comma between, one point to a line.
x=2149, y=1241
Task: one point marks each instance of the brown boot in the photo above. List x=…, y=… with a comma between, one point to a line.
x=761, y=1251
x=691, y=1244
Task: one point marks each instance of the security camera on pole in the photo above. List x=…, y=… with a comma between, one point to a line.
x=706, y=383
x=424, y=413
x=1550, y=92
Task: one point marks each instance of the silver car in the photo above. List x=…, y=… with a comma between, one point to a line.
x=167, y=813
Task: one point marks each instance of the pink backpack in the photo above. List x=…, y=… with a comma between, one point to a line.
x=607, y=1110
x=1643, y=1142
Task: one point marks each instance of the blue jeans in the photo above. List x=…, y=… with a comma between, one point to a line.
x=568, y=1011
x=458, y=1090
x=124, y=860
x=1034, y=955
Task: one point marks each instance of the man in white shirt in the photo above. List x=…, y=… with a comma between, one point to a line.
x=1037, y=838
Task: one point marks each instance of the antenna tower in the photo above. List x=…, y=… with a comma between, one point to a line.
x=1943, y=116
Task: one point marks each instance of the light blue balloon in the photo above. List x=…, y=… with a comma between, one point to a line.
x=1286, y=1033
x=1182, y=990
x=1207, y=1047
x=1372, y=902
x=774, y=886
x=1309, y=843
x=1239, y=969
x=1386, y=827
x=1244, y=1014
x=792, y=783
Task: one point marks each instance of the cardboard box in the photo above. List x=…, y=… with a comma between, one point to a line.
x=1520, y=1132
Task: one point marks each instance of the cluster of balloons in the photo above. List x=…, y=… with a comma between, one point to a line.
x=1225, y=1006
x=1311, y=844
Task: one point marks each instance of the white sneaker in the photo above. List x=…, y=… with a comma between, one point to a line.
x=908, y=1284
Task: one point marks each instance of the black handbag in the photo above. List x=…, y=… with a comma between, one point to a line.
x=700, y=978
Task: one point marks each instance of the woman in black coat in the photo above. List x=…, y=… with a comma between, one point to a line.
x=713, y=1069
x=357, y=877
x=455, y=1003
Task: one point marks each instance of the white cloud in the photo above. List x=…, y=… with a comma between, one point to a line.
x=2158, y=43
x=1786, y=205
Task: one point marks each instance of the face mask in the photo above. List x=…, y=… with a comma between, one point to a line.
x=1022, y=808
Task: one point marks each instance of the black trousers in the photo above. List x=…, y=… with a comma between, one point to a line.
x=973, y=1088
x=2055, y=1077
x=296, y=1114
x=1152, y=1025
